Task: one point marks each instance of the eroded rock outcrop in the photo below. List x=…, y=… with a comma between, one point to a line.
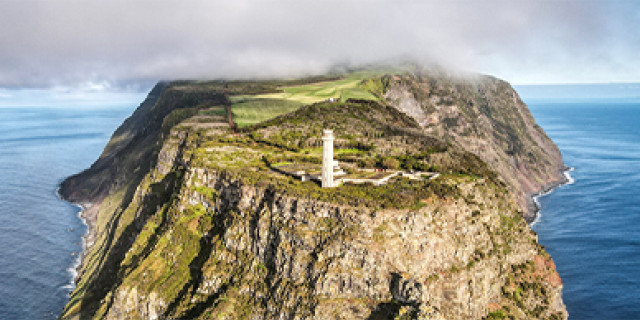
x=485, y=116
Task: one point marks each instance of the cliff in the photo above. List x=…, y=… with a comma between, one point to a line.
x=485, y=116
x=189, y=220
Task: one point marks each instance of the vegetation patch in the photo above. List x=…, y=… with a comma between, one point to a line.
x=248, y=110
x=343, y=89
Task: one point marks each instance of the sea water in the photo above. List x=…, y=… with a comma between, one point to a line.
x=591, y=227
x=40, y=235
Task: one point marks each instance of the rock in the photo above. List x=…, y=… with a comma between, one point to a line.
x=485, y=116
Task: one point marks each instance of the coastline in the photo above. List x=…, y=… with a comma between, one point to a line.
x=74, y=270
x=568, y=179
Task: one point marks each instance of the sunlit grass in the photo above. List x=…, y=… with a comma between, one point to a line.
x=251, y=111
x=343, y=89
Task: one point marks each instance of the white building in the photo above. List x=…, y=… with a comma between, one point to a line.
x=327, y=159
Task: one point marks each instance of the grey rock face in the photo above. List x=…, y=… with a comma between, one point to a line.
x=485, y=116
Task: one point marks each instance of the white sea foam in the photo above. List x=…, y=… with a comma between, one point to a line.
x=69, y=287
x=73, y=270
x=570, y=180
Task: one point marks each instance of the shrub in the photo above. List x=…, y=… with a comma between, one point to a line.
x=390, y=163
x=498, y=314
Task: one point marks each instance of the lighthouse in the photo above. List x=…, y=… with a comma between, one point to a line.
x=327, y=159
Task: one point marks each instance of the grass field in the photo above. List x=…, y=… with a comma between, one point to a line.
x=248, y=111
x=344, y=89
x=251, y=109
x=215, y=111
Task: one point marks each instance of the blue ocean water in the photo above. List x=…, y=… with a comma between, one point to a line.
x=40, y=235
x=591, y=227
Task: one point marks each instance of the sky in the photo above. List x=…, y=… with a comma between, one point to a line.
x=128, y=45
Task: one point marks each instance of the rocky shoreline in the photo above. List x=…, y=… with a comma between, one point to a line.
x=534, y=206
x=88, y=238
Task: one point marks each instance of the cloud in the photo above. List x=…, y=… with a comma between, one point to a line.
x=135, y=43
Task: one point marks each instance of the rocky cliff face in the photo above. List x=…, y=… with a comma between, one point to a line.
x=485, y=116
x=208, y=230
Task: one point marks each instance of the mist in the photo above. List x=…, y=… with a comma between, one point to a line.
x=132, y=44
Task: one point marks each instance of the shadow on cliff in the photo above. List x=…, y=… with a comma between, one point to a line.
x=221, y=219
x=110, y=275
x=391, y=309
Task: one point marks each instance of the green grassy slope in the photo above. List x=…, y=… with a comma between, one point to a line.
x=252, y=109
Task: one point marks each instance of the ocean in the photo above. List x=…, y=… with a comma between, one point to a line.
x=591, y=227
x=40, y=235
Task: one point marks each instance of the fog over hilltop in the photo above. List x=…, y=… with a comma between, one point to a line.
x=121, y=43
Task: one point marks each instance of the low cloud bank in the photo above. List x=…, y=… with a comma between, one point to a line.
x=135, y=43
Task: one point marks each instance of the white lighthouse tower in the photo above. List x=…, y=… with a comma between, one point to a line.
x=327, y=159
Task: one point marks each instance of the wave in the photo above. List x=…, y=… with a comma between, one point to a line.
x=567, y=175
x=73, y=270
x=568, y=181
